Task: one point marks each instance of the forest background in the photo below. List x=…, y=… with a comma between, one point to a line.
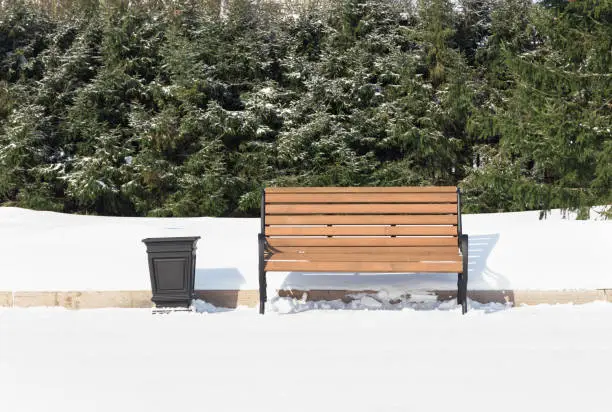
x=190, y=108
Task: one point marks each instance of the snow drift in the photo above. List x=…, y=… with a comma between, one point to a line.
x=45, y=251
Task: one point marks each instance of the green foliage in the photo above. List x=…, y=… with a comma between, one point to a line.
x=177, y=109
x=555, y=124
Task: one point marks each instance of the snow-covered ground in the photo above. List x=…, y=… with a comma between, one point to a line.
x=44, y=251
x=537, y=358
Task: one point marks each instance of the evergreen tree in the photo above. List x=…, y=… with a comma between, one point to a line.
x=189, y=108
x=556, y=124
x=28, y=167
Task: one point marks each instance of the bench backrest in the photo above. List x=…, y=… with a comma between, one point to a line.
x=357, y=219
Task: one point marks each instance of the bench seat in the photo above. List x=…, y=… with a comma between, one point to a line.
x=361, y=262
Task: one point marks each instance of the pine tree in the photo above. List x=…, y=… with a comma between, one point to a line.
x=166, y=109
x=556, y=125
x=28, y=167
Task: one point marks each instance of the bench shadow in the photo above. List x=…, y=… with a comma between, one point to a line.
x=480, y=248
x=226, y=294
x=417, y=288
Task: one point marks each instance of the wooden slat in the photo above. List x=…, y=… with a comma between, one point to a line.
x=368, y=241
x=361, y=220
x=362, y=231
x=364, y=257
x=279, y=209
x=379, y=250
x=377, y=267
x=361, y=198
x=407, y=189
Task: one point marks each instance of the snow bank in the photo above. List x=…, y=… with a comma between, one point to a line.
x=45, y=251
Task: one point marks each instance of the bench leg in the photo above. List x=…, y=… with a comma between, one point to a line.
x=459, y=289
x=263, y=286
x=464, y=302
x=464, y=276
x=263, y=292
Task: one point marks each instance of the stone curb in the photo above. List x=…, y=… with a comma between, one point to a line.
x=516, y=297
x=79, y=299
x=6, y=299
x=234, y=298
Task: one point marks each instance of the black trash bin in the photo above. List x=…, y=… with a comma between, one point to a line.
x=172, y=269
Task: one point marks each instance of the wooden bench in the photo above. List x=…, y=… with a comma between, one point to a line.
x=363, y=229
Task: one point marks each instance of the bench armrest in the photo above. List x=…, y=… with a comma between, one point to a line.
x=263, y=243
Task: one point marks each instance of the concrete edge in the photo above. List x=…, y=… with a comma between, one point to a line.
x=235, y=298
x=82, y=299
x=6, y=299
x=515, y=297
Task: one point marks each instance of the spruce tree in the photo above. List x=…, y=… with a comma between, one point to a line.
x=166, y=109
x=556, y=125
